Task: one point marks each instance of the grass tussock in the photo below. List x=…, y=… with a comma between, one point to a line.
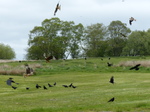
x=145, y=63
x=6, y=69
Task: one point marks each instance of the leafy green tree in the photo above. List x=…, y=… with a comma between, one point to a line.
x=118, y=33
x=6, y=52
x=138, y=43
x=94, y=40
x=54, y=37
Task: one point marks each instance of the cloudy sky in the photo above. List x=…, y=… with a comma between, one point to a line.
x=18, y=17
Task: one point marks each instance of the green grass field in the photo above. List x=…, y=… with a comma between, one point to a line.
x=93, y=90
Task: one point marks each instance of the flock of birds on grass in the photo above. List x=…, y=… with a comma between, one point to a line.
x=37, y=86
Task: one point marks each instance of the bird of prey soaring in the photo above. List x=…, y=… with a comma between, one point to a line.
x=47, y=58
x=131, y=20
x=111, y=100
x=56, y=9
x=136, y=67
x=112, y=80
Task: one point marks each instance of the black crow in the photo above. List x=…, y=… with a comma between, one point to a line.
x=44, y=87
x=70, y=85
x=109, y=64
x=111, y=100
x=131, y=20
x=112, y=80
x=27, y=88
x=73, y=86
x=136, y=67
x=102, y=59
x=50, y=85
x=56, y=9
x=37, y=86
x=65, y=86
x=54, y=84
x=14, y=87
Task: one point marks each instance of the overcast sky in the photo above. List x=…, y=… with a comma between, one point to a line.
x=18, y=17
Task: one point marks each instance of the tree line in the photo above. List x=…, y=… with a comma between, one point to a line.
x=65, y=38
x=6, y=52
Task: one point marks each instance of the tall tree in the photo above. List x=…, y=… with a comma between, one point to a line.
x=52, y=38
x=6, y=52
x=138, y=43
x=118, y=33
x=94, y=40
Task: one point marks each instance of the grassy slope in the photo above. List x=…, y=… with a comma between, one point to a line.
x=131, y=89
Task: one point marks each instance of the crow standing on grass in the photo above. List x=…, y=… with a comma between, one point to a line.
x=109, y=64
x=111, y=100
x=112, y=80
x=14, y=87
x=44, y=87
x=37, y=86
x=50, y=85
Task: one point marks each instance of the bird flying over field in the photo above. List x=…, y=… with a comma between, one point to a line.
x=136, y=67
x=58, y=7
x=10, y=81
x=47, y=58
x=111, y=100
x=131, y=20
x=112, y=80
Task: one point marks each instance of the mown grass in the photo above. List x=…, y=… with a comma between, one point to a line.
x=131, y=88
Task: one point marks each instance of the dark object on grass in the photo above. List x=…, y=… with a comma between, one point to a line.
x=71, y=85
x=10, y=81
x=50, y=85
x=109, y=64
x=102, y=59
x=54, y=84
x=44, y=87
x=112, y=80
x=111, y=100
x=14, y=87
x=37, y=86
x=65, y=86
x=136, y=67
x=27, y=88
